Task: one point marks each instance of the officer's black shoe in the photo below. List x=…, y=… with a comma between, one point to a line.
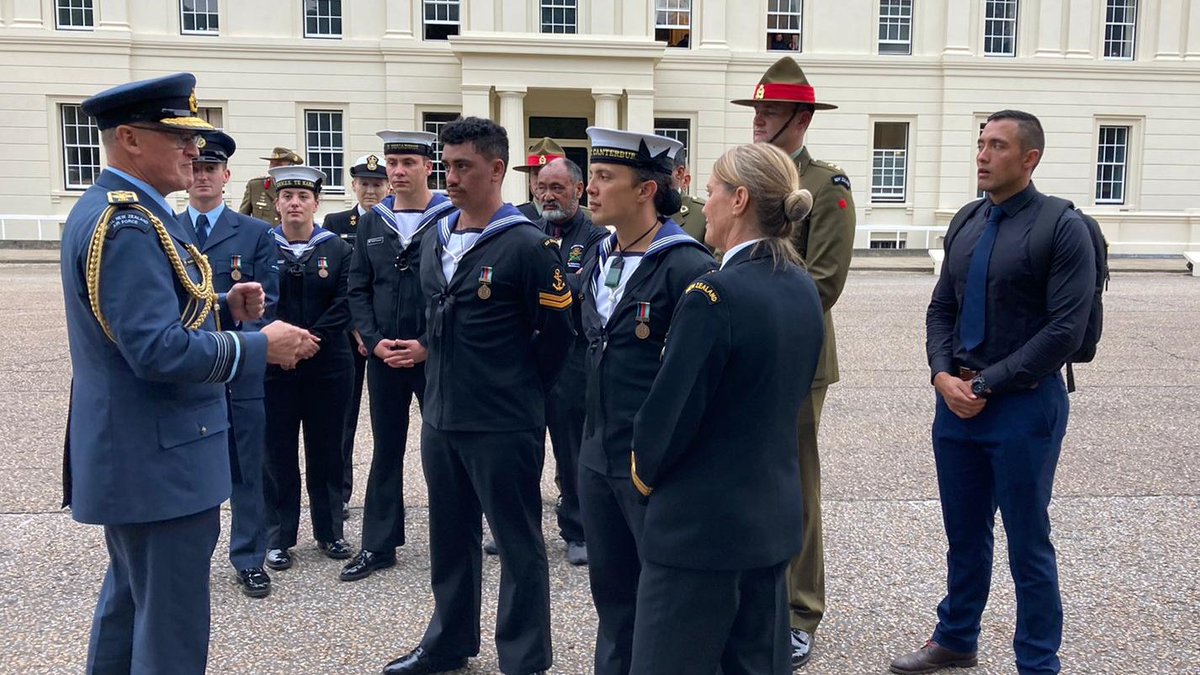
x=577, y=553
x=421, y=662
x=254, y=582
x=489, y=547
x=338, y=550
x=366, y=562
x=279, y=558
x=802, y=643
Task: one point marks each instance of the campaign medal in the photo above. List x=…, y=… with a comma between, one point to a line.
x=485, y=281
x=643, y=321
x=322, y=267
x=235, y=265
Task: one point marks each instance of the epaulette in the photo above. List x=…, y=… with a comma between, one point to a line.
x=121, y=219
x=550, y=243
x=122, y=197
x=828, y=165
x=704, y=288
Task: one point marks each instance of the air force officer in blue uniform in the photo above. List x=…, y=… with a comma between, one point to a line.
x=239, y=249
x=146, y=454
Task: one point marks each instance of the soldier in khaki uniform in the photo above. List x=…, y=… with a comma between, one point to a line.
x=784, y=103
x=541, y=153
x=259, y=198
x=691, y=211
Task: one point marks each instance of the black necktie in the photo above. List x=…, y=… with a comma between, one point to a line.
x=973, y=322
x=202, y=229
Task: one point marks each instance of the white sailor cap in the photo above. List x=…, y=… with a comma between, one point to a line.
x=368, y=166
x=299, y=176
x=643, y=151
x=408, y=142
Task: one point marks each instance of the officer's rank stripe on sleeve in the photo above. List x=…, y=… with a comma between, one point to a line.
x=555, y=300
x=219, y=359
x=708, y=291
x=641, y=487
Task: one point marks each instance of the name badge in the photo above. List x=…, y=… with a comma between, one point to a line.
x=374, y=240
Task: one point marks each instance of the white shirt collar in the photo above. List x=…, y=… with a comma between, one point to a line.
x=733, y=251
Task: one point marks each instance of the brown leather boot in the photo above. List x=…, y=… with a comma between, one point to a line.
x=932, y=658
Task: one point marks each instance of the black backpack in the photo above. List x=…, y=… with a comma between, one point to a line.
x=1041, y=248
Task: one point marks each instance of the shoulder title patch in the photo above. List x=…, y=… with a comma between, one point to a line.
x=550, y=243
x=708, y=291
x=122, y=197
x=842, y=181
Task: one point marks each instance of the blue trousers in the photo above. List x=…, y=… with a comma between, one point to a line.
x=1004, y=458
x=248, y=526
x=152, y=615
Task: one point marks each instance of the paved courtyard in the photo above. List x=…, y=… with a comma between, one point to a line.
x=1126, y=513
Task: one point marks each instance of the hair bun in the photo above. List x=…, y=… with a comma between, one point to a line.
x=797, y=205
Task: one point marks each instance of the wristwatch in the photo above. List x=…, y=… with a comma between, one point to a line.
x=979, y=387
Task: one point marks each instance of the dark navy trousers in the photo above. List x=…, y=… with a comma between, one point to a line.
x=152, y=615
x=1004, y=458
x=392, y=391
x=248, y=524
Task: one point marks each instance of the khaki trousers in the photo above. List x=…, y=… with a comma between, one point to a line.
x=806, y=572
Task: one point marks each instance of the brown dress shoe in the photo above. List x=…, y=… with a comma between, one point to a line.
x=932, y=658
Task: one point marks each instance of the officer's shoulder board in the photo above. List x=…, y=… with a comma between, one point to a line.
x=122, y=197
x=705, y=289
x=839, y=176
x=128, y=215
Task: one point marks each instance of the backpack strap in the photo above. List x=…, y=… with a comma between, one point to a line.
x=1041, y=238
x=964, y=214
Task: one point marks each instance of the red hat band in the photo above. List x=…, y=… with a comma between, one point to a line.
x=800, y=93
x=541, y=160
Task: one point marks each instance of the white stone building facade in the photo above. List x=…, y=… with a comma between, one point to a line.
x=1116, y=84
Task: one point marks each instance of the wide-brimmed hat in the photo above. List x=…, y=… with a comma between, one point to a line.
x=784, y=82
x=540, y=154
x=283, y=153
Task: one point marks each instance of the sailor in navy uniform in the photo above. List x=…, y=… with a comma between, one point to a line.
x=369, y=183
x=240, y=249
x=630, y=290
x=388, y=310
x=560, y=183
x=147, y=453
x=314, y=266
x=714, y=444
x=498, y=333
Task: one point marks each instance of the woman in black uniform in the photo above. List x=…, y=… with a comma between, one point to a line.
x=630, y=289
x=714, y=445
x=314, y=266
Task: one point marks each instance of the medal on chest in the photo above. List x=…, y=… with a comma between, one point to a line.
x=235, y=265
x=642, y=331
x=485, y=283
x=323, y=267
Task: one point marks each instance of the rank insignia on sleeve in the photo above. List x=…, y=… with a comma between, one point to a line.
x=559, y=283
x=842, y=181
x=708, y=291
x=552, y=301
x=122, y=197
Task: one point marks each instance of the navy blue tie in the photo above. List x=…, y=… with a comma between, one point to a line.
x=973, y=323
x=202, y=229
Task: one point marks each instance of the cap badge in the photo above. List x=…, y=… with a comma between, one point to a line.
x=192, y=105
x=760, y=92
x=200, y=143
x=541, y=160
x=372, y=162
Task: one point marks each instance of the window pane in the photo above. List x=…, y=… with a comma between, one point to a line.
x=1000, y=28
x=784, y=24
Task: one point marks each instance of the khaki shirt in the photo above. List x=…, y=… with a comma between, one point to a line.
x=691, y=217
x=826, y=242
x=259, y=201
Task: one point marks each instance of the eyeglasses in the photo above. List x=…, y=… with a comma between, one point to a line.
x=182, y=139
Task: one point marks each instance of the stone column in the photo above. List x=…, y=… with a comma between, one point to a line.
x=1171, y=25
x=1081, y=43
x=712, y=26
x=512, y=118
x=399, y=20
x=958, y=28
x=1051, y=19
x=112, y=15
x=477, y=100
x=28, y=14
x=607, y=107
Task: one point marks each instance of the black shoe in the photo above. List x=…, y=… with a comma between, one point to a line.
x=421, y=662
x=577, y=553
x=279, y=558
x=254, y=582
x=338, y=550
x=366, y=562
x=932, y=658
x=489, y=547
x=802, y=643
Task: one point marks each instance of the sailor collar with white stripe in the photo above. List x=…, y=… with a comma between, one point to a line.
x=319, y=234
x=668, y=236
x=438, y=207
x=507, y=217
